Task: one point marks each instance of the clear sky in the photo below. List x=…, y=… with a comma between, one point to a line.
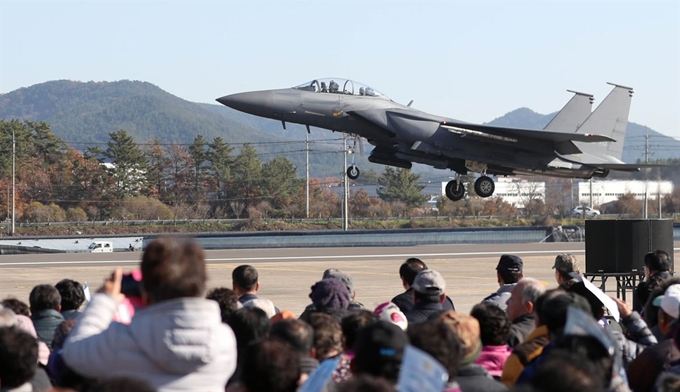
x=472, y=61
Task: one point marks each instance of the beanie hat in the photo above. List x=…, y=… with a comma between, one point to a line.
x=330, y=293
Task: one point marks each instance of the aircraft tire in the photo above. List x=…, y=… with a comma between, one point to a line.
x=455, y=190
x=484, y=186
x=353, y=172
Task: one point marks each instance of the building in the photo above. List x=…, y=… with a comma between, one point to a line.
x=608, y=191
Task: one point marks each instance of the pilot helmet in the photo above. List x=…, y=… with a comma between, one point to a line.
x=361, y=91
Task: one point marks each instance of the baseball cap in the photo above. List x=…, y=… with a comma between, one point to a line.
x=339, y=275
x=670, y=301
x=566, y=263
x=379, y=349
x=429, y=282
x=391, y=313
x=510, y=263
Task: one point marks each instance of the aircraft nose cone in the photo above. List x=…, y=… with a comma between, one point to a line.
x=259, y=103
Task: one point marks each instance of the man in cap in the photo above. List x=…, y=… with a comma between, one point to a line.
x=428, y=296
x=508, y=273
x=645, y=369
x=407, y=272
x=565, y=264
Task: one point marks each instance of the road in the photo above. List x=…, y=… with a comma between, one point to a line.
x=286, y=275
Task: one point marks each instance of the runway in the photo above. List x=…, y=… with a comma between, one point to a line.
x=286, y=275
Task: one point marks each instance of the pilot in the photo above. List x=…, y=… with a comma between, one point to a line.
x=369, y=91
x=324, y=89
x=361, y=91
x=334, y=87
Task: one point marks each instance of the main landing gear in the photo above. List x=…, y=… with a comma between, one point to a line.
x=484, y=187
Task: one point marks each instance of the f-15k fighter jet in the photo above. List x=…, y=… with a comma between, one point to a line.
x=575, y=144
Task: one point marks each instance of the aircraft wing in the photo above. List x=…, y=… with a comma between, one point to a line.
x=627, y=167
x=508, y=134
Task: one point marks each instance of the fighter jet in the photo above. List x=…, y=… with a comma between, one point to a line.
x=575, y=144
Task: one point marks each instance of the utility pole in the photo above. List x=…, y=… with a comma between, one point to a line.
x=13, y=177
x=644, y=207
x=345, y=182
x=658, y=190
x=9, y=229
x=591, y=192
x=307, y=176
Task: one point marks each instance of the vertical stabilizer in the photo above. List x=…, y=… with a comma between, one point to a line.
x=573, y=114
x=610, y=118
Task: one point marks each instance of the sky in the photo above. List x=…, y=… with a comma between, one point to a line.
x=469, y=60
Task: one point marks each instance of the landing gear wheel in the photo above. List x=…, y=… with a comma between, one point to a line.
x=484, y=186
x=353, y=172
x=455, y=190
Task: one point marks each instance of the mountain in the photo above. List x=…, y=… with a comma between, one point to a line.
x=83, y=114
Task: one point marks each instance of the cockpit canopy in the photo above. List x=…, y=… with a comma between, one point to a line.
x=340, y=86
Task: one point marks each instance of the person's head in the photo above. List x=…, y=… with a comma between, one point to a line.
x=596, y=306
x=72, y=294
x=250, y=325
x=226, y=299
x=297, y=333
x=173, y=268
x=467, y=329
x=343, y=277
x=244, y=279
x=17, y=306
x=563, y=371
x=657, y=261
x=330, y=293
x=553, y=311
x=509, y=269
x=327, y=335
x=352, y=323
x=669, y=308
x=523, y=297
x=494, y=324
x=262, y=303
x=44, y=297
x=388, y=311
x=7, y=317
x=379, y=350
x=651, y=311
x=437, y=339
x=592, y=350
x=18, y=357
x=549, y=294
x=61, y=333
x=271, y=365
x=409, y=270
x=429, y=287
x=565, y=264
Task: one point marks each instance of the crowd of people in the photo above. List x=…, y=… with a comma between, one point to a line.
x=157, y=329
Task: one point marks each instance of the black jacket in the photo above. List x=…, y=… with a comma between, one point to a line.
x=645, y=288
x=422, y=311
x=405, y=301
x=474, y=378
x=46, y=322
x=521, y=327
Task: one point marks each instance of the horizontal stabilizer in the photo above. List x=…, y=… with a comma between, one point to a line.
x=512, y=135
x=625, y=167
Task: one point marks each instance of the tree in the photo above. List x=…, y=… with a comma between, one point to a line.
x=220, y=162
x=245, y=186
x=199, y=153
x=401, y=185
x=280, y=184
x=156, y=164
x=129, y=164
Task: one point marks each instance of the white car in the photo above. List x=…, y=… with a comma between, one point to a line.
x=584, y=211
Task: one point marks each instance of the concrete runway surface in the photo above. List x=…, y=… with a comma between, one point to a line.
x=286, y=275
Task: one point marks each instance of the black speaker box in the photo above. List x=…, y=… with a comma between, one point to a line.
x=619, y=246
